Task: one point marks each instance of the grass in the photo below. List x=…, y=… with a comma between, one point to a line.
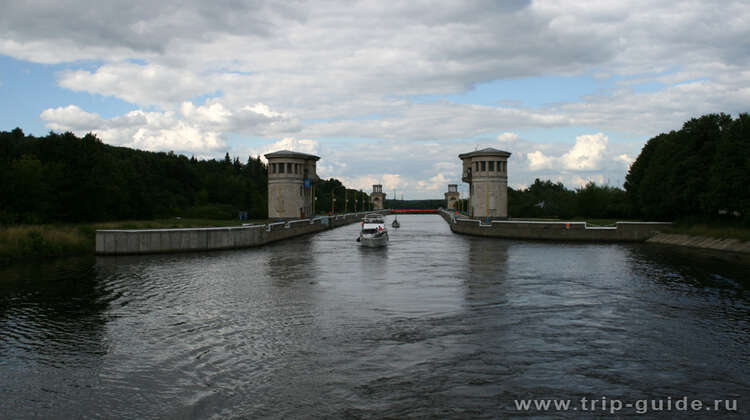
x=61, y=240
x=19, y=242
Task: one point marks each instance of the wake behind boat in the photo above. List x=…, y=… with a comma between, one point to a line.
x=373, y=233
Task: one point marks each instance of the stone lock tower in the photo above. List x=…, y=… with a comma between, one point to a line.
x=291, y=184
x=486, y=172
x=452, y=197
x=377, y=197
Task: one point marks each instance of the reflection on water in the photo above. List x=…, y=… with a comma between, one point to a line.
x=436, y=324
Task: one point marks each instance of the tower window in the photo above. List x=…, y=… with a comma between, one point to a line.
x=289, y=168
x=476, y=166
x=484, y=166
x=281, y=168
x=273, y=168
x=491, y=165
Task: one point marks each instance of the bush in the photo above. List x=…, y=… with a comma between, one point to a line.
x=211, y=211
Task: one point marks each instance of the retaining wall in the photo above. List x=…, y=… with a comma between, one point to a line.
x=733, y=245
x=558, y=231
x=153, y=241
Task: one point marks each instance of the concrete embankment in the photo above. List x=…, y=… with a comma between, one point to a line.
x=153, y=241
x=732, y=245
x=556, y=231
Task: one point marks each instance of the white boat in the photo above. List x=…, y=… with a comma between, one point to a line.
x=373, y=233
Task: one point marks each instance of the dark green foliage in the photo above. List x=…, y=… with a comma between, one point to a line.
x=346, y=199
x=62, y=177
x=699, y=172
x=545, y=199
x=601, y=202
x=542, y=199
x=414, y=204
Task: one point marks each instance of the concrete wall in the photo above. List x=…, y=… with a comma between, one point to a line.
x=732, y=245
x=451, y=199
x=153, y=241
x=378, y=200
x=489, y=197
x=287, y=196
x=559, y=231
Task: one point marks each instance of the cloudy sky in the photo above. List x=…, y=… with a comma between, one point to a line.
x=386, y=92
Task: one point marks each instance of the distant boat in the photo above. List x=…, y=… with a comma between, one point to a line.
x=373, y=233
x=395, y=223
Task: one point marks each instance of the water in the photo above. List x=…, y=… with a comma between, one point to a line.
x=436, y=325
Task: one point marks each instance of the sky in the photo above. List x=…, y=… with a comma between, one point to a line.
x=383, y=92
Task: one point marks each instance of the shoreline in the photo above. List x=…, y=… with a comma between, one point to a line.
x=701, y=242
x=551, y=230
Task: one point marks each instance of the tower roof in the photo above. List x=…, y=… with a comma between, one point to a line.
x=290, y=154
x=489, y=151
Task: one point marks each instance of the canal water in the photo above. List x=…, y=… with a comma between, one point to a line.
x=435, y=325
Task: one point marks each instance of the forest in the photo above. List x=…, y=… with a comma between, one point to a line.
x=700, y=172
x=546, y=199
x=65, y=178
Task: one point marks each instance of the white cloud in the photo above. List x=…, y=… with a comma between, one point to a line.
x=70, y=118
x=537, y=160
x=142, y=85
x=436, y=183
x=585, y=155
x=138, y=129
x=195, y=129
x=289, y=143
x=625, y=158
x=507, y=138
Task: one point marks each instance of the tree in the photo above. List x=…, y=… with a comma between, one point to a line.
x=697, y=171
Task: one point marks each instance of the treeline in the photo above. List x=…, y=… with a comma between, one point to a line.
x=700, y=172
x=61, y=177
x=332, y=194
x=545, y=199
x=414, y=204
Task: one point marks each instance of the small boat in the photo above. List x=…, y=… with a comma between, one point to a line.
x=395, y=223
x=373, y=233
